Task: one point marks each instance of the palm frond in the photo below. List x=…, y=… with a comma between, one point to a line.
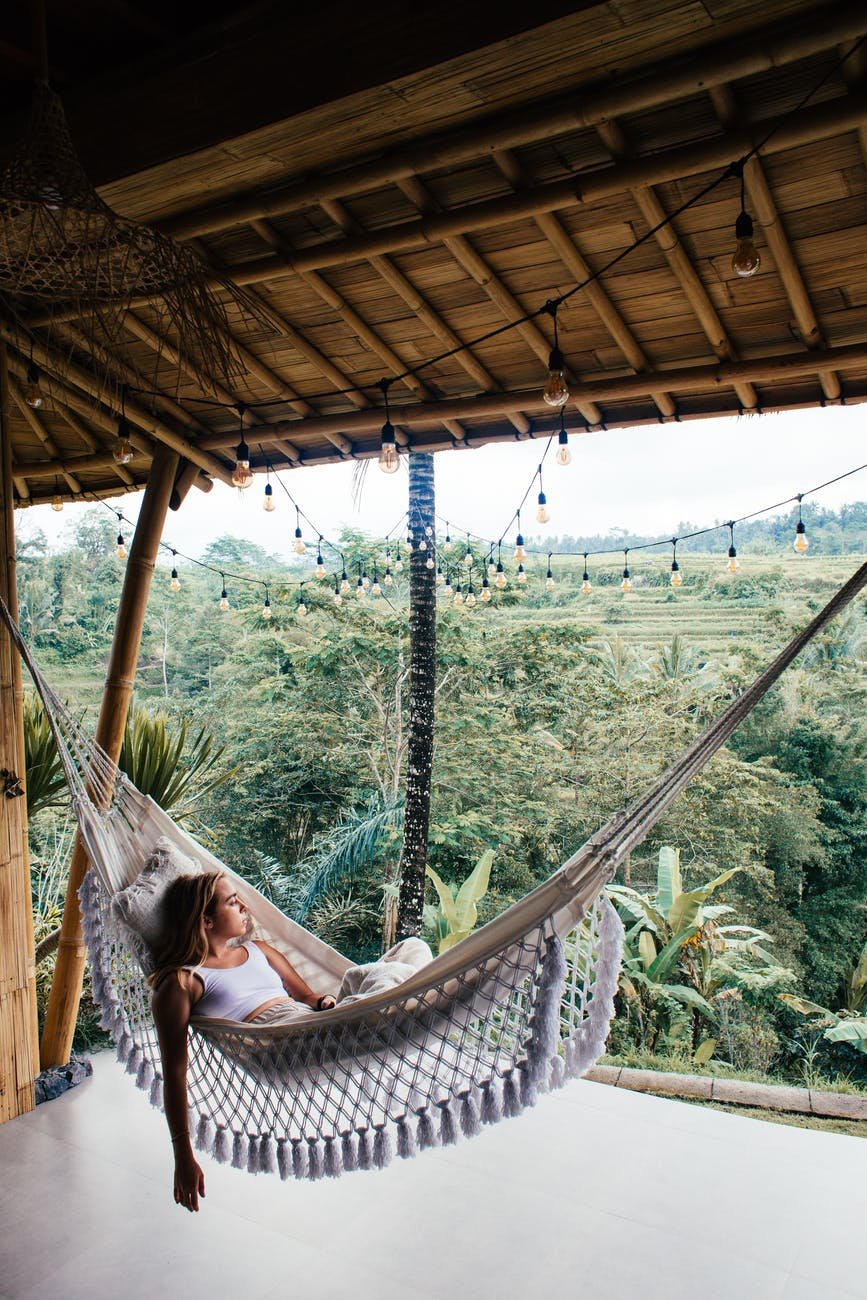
x=158, y=759
x=356, y=841
x=44, y=782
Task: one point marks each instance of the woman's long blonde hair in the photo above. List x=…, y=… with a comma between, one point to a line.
x=187, y=902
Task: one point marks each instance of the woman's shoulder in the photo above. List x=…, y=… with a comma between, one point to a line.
x=184, y=983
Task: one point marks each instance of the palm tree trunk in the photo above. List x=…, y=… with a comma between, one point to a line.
x=422, y=682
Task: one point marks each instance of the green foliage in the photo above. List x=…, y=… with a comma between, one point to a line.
x=455, y=915
x=45, y=782
x=161, y=759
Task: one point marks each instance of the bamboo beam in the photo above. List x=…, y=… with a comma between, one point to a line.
x=490, y=283
x=675, y=254
x=69, y=466
x=71, y=955
x=188, y=474
x=764, y=207
x=41, y=432
x=567, y=250
x=359, y=326
x=19, y=1047
x=138, y=415
x=687, y=379
x=422, y=309
x=747, y=54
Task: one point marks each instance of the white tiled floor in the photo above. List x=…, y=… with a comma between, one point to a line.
x=596, y=1193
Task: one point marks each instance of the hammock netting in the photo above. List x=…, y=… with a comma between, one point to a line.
x=516, y=1009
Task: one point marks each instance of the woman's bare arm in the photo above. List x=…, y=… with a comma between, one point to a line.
x=172, y=1004
x=292, y=981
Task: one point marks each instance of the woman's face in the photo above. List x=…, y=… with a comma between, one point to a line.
x=228, y=918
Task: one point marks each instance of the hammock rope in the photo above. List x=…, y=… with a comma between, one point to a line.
x=517, y=1008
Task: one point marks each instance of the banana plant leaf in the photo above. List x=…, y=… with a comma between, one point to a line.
x=668, y=881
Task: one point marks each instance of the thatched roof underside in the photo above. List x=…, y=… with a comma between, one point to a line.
x=387, y=227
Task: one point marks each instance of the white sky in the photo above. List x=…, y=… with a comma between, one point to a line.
x=644, y=480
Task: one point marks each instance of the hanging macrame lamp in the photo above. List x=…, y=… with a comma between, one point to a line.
x=64, y=254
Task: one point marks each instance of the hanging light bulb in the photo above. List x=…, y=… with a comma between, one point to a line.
x=33, y=394
x=626, y=584
x=676, y=576
x=175, y=583
x=360, y=589
x=338, y=599
x=301, y=609
x=520, y=553
x=398, y=562
x=57, y=503
x=224, y=596
x=375, y=590
x=299, y=546
x=266, y=608
x=269, y=505
x=447, y=589
x=801, y=542
x=242, y=475
x=492, y=568
x=122, y=451
x=388, y=457
x=586, y=586
x=388, y=579
x=469, y=558
x=542, y=515
x=429, y=562
x=522, y=577
x=121, y=544
x=746, y=259
x=439, y=578
x=733, y=564
x=486, y=591
x=471, y=596
x=447, y=544
x=564, y=455
x=344, y=582
x=319, y=571
x=365, y=581
x=422, y=546
x=550, y=584
x=555, y=393
x=500, y=579
x=458, y=598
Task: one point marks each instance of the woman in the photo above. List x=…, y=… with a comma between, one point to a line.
x=203, y=968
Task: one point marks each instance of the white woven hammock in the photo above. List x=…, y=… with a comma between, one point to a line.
x=519, y=1007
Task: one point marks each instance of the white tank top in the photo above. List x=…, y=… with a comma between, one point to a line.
x=233, y=992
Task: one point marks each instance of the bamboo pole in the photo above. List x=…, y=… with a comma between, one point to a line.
x=19, y=1045
x=747, y=54
x=687, y=379
x=71, y=955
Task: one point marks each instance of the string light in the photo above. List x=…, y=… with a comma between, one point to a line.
x=338, y=599
x=299, y=546
x=33, y=394
x=320, y=565
x=409, y=541
x=422, y=546
x=492, y=568
x=555, y=393
x=439, y=578
x=447, y=544
x=745, y=260
x=564, y=455
x=500, y=575
x=375, y=590
x=626, y=584
x=57, y=502
x=522, y=576
x=542, y=515
x=175, y=583
x=447, y=589
x=359, y=588
x=549, y=576
x=344, y=582
x=458, y=598
x=268, y=505
x=471, y=596
x=586, y=585
x=365, y=581
x=388, y=457
x=429, y=562
x=733, y=564
x=301, y=608
x=486, y=591
x=469, y=558
x=676, y=577
x=121, y=544
x=520, y=553
x=398, y=562
x=266, y=608
x=387, y=578
x=801, y=542
x=242, y=475
x=224, y=596
x=122, y=452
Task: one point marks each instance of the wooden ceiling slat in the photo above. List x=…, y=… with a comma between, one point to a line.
x=93, y=444
x=41, y=432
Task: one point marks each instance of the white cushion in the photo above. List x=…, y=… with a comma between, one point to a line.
x=139, y=907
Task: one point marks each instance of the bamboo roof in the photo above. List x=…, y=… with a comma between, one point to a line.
x=411, y=215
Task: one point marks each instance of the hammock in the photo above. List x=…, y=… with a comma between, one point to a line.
x=518, y=1007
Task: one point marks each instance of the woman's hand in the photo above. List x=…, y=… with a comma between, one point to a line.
x=189, y=1181
x=326, y=1002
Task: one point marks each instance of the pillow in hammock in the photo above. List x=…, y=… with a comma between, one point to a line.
x=139, y=907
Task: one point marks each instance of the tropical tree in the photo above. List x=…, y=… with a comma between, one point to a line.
x=849, y=1024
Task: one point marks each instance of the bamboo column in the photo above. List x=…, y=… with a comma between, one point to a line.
x=422, y=685
x=69, y=972
x=19, y=1038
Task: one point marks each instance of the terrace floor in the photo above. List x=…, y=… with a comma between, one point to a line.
x=597, y=1193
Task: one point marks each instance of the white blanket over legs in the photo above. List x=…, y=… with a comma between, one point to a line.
x=397, y=965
